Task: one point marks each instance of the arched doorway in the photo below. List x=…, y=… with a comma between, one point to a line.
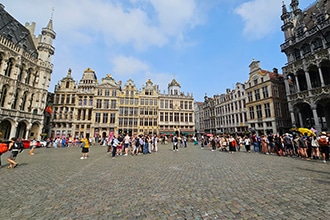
x=323, y=113
x=5, y=128
x=303, y=115
x=21, y=130
x=34, y=131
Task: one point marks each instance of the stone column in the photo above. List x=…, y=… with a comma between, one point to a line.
x=293, y=119
x=316, y=117
x=321, y=76
x=13, y=130
x=308, y=81
x=297, y=83
x=28, y=129
x=287, y=87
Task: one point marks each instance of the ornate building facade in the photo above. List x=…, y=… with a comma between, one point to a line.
x=25, y=74
x=230, y=110
x=307, y=72
x=266, y=103
x=94, y=109
x=176, y=111
x=225, y=113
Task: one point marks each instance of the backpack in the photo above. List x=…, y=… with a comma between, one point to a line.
x=323, y=142
x=18, y=146
x=287, y=140
x=3, y=148
x=137, y=142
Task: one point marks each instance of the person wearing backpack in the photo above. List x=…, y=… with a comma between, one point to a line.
x=14, y=147
x=323, y=142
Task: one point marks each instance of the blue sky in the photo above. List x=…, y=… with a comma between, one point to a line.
x=206, y=45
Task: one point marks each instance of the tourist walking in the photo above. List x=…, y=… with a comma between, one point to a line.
x=247, y=143
x=232, y=144
x=14, y=147
x=323, y=142
x=33, y=146
x=175, y=143
x=127, y=140
x=155, y=144
x=115, y=143
x=84, y=148
x=315, y=148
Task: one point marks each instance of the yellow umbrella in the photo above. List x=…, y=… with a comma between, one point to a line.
x=309, y=132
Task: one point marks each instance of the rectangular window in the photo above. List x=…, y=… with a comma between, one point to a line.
x=161, y=103
x=267, y=110
x=112, y=118
x=97, y=117
x=190, y=117
x=57, y=99
x=250, y=96
x=171, y=104
x=251, y=109
x=161, y=116
x=98, y=103
x=265, y=92
x=106, y=104
x=67, y=99
x=278, y=112
x=166, y=116
x=99, y=92
x=176, y=117
x=73, y=99
x=171, y=116
x=256, y=94
x=113, y=104
x=62, y=99
x=259, y=111
x=105, y=118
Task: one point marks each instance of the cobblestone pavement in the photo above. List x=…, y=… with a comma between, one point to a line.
x=188, y=184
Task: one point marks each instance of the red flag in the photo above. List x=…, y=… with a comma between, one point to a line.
x=49, y=110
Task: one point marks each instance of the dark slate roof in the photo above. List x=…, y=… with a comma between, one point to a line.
x=15, y=32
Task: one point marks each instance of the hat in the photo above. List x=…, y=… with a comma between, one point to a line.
x=323, y=132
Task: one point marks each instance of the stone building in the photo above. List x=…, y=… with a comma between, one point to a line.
x=90, y=108
x=176, y=111
x=25, y=74
x=266, y=103
x=307, y=72
x=225, y=113
x=230, y=111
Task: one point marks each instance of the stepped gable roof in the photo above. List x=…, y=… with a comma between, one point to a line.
x=174, y=83
x=15, y=32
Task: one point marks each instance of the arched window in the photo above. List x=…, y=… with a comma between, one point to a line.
x=10, y=65
x=15, y=99
x=31, y=101
x=20, y=74
x=28, y=76
x=23, y=101
x=3, y=95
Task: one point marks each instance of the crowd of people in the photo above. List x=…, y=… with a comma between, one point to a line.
x=299, y=145
x=304, y=146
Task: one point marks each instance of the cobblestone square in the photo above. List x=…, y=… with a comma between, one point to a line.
x=189, y=184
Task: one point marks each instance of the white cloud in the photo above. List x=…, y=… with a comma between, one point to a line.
x=128, y=66
x=260, y=17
